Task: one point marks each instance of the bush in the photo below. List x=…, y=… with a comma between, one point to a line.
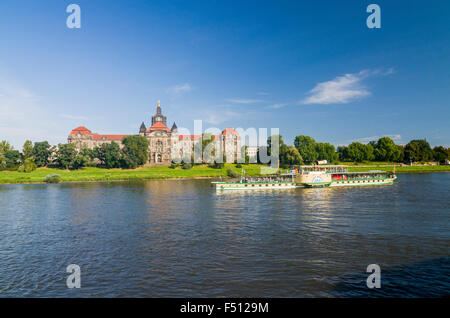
x=187, y=166
x=216, y=165
x=28, y=166
x=231, y=173
x=238, y=165
x=52, y=178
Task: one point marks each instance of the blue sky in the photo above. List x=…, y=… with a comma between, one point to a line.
x=305, y=67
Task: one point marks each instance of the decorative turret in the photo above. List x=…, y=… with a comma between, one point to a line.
x=142, y=129
x=158, y=117
x=174, y=127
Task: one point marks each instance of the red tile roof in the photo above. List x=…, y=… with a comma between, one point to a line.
x=181, y=137
x=158, y=126
x=108, y=137
x=81, y=130
x=84, y=131
x=230, y=131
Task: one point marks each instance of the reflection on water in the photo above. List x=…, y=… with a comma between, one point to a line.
x=181, y=238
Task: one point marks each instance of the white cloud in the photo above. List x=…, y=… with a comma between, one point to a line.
x=180, y=89
x=243, y=101
x=340, y=90
x=343, y=89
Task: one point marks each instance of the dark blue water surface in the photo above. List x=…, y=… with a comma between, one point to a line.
x=179, y=238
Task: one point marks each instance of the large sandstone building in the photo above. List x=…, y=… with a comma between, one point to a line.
x=165, y=145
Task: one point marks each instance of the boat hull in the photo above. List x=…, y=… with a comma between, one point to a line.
x=254, y=186
x=352, y=183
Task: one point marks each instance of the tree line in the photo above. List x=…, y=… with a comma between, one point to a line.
x=307, y=151
x=134, y=153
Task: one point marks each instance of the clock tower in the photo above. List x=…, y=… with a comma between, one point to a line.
x=158, y=117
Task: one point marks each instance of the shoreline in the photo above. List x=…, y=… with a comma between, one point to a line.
x=93, y=174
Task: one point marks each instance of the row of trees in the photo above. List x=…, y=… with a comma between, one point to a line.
x=307, y=151
x=133, y=154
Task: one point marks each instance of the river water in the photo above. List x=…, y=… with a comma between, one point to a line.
x=179, y=238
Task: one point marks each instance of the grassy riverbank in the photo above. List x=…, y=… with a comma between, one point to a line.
x=143, y=173
x=164, y=172
x=400, y=169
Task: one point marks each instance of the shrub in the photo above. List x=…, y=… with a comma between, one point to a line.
x=231, y=173
x=216, y=165
x=28, y=166
x=238, y=165
x=52, y=178
x=187, y=166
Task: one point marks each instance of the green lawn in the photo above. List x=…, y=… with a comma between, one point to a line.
x=164, y=172
x=99, y=174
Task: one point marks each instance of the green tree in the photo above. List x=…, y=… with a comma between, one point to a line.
x=245, y=155
x=81, y=160
x=386, y=150
x=401, y=157
x=343, y=153
x=13, y=159
x=2, y=161
x=28, y=165
x=306, y=146
x=5, y=146
x=418, y=150
x=326, y=151
x=369, y=152
x=290, y=156
x=27, y=149
x=440, y=154
x=272, y=141
x=357, y=151
x=41, y=153
x=208, y=148
x=65, y=155
x=134, y=151
x=109, y=155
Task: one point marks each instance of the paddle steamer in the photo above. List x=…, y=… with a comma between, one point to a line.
x=309, y=177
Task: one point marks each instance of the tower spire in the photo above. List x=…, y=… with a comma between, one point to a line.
x=158, y=108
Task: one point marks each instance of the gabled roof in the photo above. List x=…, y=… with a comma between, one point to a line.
x=158, y=126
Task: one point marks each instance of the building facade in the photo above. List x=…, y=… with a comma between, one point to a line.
x=165, y=145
